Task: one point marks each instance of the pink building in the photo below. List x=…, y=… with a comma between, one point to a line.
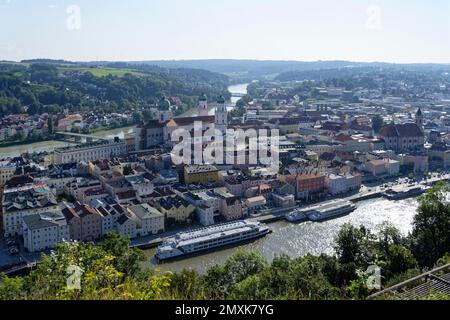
x=85, y=222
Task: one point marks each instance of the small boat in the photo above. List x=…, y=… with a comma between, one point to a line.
x=392, y=194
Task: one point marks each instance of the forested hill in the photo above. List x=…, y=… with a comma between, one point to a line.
x=241, y=71
x=370, y=70
x=37, y=86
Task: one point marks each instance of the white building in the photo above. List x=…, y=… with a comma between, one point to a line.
x=24, y=201
x=126, y=226
x=382, y=167
x=338, y=184
x=205, y=215
x=204, y=198
x=7, y=170
x=392, y=167
x=58, y=183
x=140, y=184
x=148, y=219
x=43, y=231
x=78, y=187
x=90, y=152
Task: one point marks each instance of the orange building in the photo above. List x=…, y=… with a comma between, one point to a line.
x=310, y=186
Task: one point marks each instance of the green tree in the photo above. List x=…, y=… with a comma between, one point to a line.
x=127, y=259
x=377, y=123
x=147, y=115
x=248, y=289
x=137, y=117
x=50, y=125
x=399, y=259
x=109, y=271
x=310, y=282
x=186, y=285
x=11, y=288
x=20, y=136
x=355, y=249
x=430, y=237
x=221, y=279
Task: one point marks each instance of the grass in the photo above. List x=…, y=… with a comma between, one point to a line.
x=100, y=72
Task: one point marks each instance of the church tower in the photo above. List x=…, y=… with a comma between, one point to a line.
x=221, y=116
x=419, y=119
x=202, y=106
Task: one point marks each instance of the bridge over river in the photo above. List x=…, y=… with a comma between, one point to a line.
x=78, y=137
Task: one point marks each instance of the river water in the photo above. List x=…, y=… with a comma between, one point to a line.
x=300, y=239
x=17, y=150
x=237, y=88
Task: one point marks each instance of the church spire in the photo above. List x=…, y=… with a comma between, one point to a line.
x=419, y=119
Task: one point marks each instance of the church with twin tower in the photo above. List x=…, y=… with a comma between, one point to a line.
x=159, y=131
x=221, y=113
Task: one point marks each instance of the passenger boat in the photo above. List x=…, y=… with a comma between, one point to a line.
x=331, y=210
x=392, y=194
x=213, y=237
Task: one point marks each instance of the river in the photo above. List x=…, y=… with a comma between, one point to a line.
x=13, y=151
x=234, y=89
x=237, y=89
x=300, y=239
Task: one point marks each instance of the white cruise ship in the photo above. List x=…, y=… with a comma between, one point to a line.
x=330, y=210
x=185, y=243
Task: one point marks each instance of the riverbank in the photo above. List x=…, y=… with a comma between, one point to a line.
x=16, y=149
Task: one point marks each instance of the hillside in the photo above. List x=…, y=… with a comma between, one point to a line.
x=37, y=86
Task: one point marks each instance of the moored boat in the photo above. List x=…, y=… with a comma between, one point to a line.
x=213, y=237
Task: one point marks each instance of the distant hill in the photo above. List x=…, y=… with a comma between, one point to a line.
x=248, y=70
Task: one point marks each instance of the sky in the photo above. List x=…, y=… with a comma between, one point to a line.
x=401, y=31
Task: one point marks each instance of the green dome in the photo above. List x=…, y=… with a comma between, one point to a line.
x=164, y=103
x=221, y=99
x=203, y=97
x=419, y=112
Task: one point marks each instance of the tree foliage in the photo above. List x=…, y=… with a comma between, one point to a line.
x=50, y=87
